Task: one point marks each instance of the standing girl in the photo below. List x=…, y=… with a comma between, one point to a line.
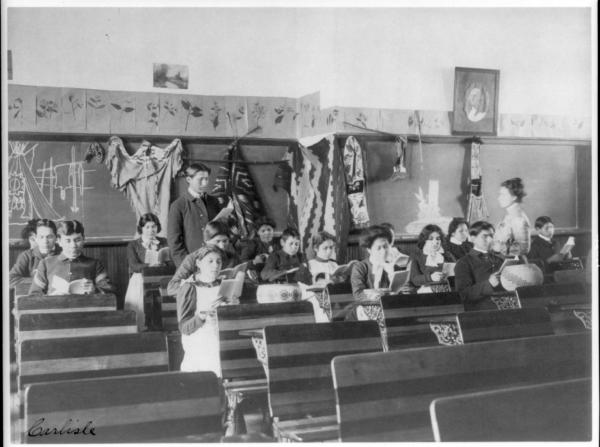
x=197, y=300
x=513, y=233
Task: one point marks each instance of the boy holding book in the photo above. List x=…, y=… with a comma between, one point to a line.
x=70, y=272
x=544, y=248
x=477, y=275
x=283, y=265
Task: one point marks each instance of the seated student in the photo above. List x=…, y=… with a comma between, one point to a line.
x=543, y=248
x=394, y=254
x=322, y=266
x=44, y=245
x=257, y=249
x=457, y=244
x=216, y=234
x=197, y=299
x=28, y=232
x=283, y=265
x=477, y=273
x=71, y=264
x=374, y=272
x=426, y=267
x=148, y=227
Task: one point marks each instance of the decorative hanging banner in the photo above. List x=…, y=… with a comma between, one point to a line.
x=314, y=177
x=145, y=177
x=355, y=181
x=400, y=171
x=234, y=186
x=477, y=207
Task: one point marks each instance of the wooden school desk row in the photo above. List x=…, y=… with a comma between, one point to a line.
x=70, y=356
x=357, y=397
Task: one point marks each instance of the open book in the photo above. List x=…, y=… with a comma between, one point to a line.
x=399, y=280
x=60, y=286
x=231, y=273
x=568, y=246
x=230, y=290
x=344, y=269
x=156, y=257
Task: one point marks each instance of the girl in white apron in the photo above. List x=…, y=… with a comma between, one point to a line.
x=197, y=300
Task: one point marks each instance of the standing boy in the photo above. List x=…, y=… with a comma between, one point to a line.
x=190, y=213
x=55, y=272
x=477, y=272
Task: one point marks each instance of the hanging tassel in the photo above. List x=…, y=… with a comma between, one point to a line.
x=400, y=171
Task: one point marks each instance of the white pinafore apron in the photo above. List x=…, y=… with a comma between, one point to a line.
x=202, y=347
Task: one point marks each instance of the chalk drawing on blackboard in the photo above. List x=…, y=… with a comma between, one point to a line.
x=32, y=194
x=429, y=210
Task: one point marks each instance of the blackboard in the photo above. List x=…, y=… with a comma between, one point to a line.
x=50, y=178
x=549, y=173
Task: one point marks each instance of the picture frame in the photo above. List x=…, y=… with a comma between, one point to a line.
x=475, y=110
x=170, y=76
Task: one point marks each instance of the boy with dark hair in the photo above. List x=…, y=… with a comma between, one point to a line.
x=189, y=213
x=44, y=238
x=477, y=272
x=284, y=264
x=543, y=248
x=56, y=274
x=28, y=232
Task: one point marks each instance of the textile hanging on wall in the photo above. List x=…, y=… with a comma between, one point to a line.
x=355, y=181
x=234, y=185
x=400, y=171
x=317, y=191
x=477, y=207
x=145, y=177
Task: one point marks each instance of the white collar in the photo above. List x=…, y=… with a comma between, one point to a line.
x=195, y=195
x=547, y=239
x=455, y=241
x=480, y=251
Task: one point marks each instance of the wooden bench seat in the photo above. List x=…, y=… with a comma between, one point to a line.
x=554, y=412
x=153, y=277
x=243, y=374
x=42, y=304
x=75, y=324
x=408, y=318
x=549, y=294
x=504, y=324
x=53, y=359
x=301, y=397
x=160, y=407
x=386, y=396
x=340, y=296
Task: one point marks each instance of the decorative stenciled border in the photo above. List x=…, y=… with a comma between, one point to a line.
x=70, y=110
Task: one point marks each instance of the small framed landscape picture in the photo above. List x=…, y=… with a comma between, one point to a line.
x=475, y=101
x=170, y=76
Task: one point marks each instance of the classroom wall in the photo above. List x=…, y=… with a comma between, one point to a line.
x=371, y=57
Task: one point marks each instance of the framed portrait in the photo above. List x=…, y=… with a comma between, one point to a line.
x=475, y=101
